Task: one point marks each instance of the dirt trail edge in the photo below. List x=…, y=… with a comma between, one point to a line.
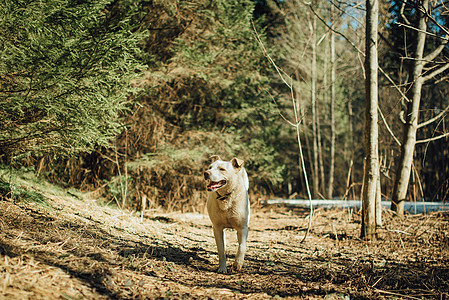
x=76, y=249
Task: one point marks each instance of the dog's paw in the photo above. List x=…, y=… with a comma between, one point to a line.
x=237, y=266
x=222, y=270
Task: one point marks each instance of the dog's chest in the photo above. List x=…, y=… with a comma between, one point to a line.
x=226, y=206
x=226, y=213
x=231, y=218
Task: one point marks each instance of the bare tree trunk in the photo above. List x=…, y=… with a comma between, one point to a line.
x=314, y=111
x=350, y=139
x=351, y=129
x=378, y=203
x=320, y=151
x=300, y=109
x=330, y=188
x=371, y=130
x=320, y=140
x=411, y=120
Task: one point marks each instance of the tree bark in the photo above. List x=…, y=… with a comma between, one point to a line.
x=330, y=188
x=378, y=203
x=411, y=120
x=314, y=112
x=371, y=174
x=300, y=109
x=322, y=186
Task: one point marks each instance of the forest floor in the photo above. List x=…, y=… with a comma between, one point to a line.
x=71, y=248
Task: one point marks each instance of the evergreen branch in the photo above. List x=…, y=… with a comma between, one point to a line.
x=30, y=87
x=17, y=91
x=76, y=69
x=31, y=136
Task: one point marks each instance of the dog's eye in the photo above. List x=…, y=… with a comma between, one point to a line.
x=222, y=169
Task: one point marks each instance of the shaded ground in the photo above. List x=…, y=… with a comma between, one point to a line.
x=75, y=249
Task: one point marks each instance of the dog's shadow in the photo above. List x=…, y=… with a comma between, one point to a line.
x=167, y=252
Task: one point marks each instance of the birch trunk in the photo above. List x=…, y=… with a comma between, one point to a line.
x=330, y=188
x=371, y=130
x=322, y=185
x=378, y=203
x=411, y=121
x=314, y=112
x=318, y=118
x=300, y=109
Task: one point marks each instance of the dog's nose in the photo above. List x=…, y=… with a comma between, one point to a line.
x=206, y=174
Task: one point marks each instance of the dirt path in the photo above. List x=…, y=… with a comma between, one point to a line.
x=75, y=249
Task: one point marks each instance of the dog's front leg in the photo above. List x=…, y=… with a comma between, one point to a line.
x=221, y=247
x=242, y=235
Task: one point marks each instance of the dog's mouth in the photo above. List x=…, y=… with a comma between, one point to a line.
x=215, y=185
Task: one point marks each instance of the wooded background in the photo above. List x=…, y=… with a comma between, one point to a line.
x=129, y=98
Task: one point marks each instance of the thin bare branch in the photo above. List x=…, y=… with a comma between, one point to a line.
x=433, y=138
x=444, y=39
x=436, y=72
x=426, y=32
x=429, y=16
x=360, y=52
x=438, y=50
x=402, y=12
x=388, y=127
x=297, y=120
x=442, y=4
x=441, y=114
x=264, y=50
x=280, y=113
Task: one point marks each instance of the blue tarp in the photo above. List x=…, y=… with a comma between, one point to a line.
x=411, y=207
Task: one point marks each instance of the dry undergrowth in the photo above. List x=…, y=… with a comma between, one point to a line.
x=76, y=249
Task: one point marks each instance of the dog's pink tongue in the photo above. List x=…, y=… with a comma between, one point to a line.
x=214, y=185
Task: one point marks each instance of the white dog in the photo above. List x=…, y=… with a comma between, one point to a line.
x=228, y=205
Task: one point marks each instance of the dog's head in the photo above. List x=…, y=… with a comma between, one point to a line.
x=220, y=173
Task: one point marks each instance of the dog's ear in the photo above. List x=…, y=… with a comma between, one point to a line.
x=215, y=158
x=237, y=163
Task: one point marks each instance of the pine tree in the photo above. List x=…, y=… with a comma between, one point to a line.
x=65, y=73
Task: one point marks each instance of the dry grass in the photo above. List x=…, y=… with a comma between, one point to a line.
x=76, y=249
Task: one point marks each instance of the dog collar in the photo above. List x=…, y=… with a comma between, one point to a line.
x=223, y=197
